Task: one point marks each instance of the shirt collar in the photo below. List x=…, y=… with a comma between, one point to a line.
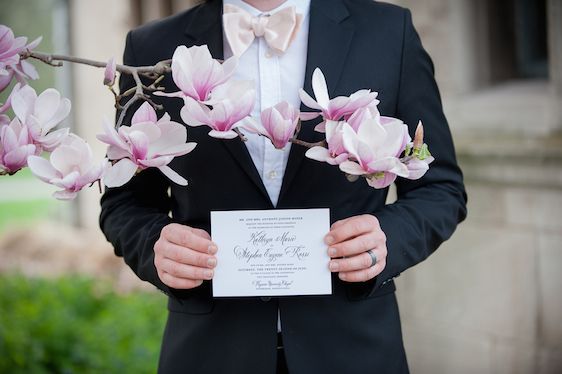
x=302, y=6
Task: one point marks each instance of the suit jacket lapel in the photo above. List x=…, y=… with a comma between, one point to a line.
x=329, y=37
x=206, y=28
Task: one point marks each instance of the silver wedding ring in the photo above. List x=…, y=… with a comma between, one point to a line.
x=373, y=257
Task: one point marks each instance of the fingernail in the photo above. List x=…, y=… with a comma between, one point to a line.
x=209, y=274
x=343, y=276
x=332, y=252
x=212, y=249
x=329, y=239
x=334, y=266
x=212, y=262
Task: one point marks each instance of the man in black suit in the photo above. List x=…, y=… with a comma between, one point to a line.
x=357, y=44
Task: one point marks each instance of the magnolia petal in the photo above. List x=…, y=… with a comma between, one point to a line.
x=307, y=116
x=5, y=78
x=23, y=100
x=120, y=173
x=172, y=135
x=52, y=140
x=29, y=70
x=318, y=153
x=111, y=137
x=389, y=164
x=109, y=72
x=308, y=100
x=145, y=113
x=64, y=159
x=155, y=162
x=382, y=182
x=320, y=88
x=230, y=134
x=50, y=109
x=194, y=114
x=17, y=158
x=34, y=43
x=321, y=127
x=42, y=168
x=339, y=159
x=417, y=168
x=68, y=182
x=116, y=153
x=351, y=167
x=173, y=176
x=252, y=126
x=179, y=150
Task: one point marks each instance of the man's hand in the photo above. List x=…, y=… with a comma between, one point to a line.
x=184, y=256
x=349, y=240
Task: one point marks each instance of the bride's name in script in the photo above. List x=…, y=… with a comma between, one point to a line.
x=260, y=238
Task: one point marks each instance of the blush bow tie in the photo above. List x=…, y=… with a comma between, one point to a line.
x=278, y=29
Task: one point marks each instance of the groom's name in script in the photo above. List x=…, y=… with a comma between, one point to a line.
x=269, y=254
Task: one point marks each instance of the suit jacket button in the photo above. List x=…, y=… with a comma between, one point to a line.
x=265, y=298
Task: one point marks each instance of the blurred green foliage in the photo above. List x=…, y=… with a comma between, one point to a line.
x=23, y=212
x=77, y=325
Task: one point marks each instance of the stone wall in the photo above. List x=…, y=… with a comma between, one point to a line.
x=488, y=301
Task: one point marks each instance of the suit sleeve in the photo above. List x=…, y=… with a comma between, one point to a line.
x=428, y=210
x=133, y=215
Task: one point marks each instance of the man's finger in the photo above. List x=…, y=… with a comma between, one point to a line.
x=339, y=223
x=357, y=262
x=186, y=255
x=356, y=245
x=364, y=274
x=179, y=283
x=353, y=227
x=179, y=270
x=186, y=237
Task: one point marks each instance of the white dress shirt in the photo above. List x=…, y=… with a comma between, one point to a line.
x=277, y=78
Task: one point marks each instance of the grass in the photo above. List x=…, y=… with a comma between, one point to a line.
x=24, y=212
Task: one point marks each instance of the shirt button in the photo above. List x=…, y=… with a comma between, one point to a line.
x=272, y=174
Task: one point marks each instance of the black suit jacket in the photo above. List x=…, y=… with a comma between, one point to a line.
x=357, y=44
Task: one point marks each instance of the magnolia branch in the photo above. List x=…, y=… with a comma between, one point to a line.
x=155, y=72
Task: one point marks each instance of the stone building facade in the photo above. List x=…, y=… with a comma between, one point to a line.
x=488, y=301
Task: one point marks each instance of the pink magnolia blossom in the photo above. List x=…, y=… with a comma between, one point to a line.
x=336, y=153
x=10, y=47
x=10, y=63
x=109, y=72
x=15, y=147
x=333, y=109
x=148, y=142
x=196, y=73
x=376, y=148
x=231, y=104
x=278, y=124
x=41, y=114
x=70, y=167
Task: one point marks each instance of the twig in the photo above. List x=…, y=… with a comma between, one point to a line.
x=321, y=143
x=240, y=135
